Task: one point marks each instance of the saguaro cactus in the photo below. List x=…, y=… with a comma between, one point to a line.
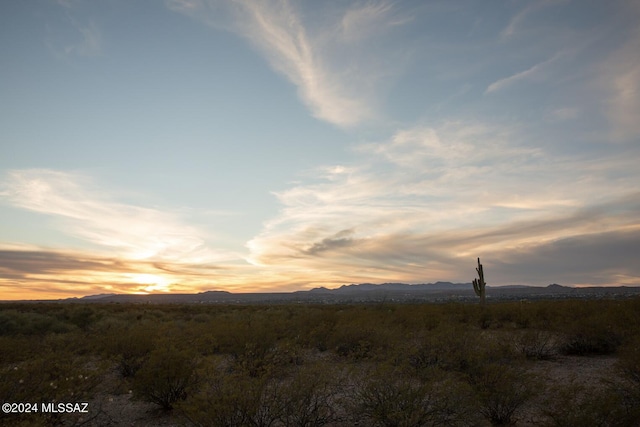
x=479, y=284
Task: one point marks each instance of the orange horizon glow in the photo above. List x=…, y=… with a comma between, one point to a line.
x=248, y=279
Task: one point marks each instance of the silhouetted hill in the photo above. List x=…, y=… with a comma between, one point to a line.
x=369, y=293
x=355, y=289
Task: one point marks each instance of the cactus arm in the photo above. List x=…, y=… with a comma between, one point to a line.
x=476, y=287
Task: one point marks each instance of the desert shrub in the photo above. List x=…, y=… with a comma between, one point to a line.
x=629, y=361
x=166, y=377
x=14, y=322
x=18, y=348
x=591, y=336
x=49, y=377
x=354, y=346
x=575, y=404
x=131, y=347
x=320, y=335
x=234, y=336
x=258, y=360
x=231, y=399
x=536, y=344
x=9, y=322
x=391, y=398
x=258, y=348
x=308, y=398
x=365, y=332
x=459, y=349
x=354, y=338
x=448, y=348
x=501, y=390
x=597, y=327
x=82, y=316
x=201, y=318
x=627, y=387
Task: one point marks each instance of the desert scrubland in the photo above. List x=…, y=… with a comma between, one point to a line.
x=542, y=363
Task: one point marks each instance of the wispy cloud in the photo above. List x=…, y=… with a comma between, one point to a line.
x=55, y=273
x=422, y=205
x=336, y=86
x=127, y=248
x=565, y=113
x=517, y=21
x=368, y=20
x=620, y=76
x=86, y=39
x=529, y=73
x=91, y=214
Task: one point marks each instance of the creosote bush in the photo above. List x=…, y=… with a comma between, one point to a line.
x=537, y=344
x=390, y=397
x=60, y=377
x=572, y=404
x=230, y=399
x=501, y=390
x=305, y=398
x=167, y=376
x=130, y=347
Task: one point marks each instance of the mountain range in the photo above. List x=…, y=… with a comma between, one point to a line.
x=370, y=293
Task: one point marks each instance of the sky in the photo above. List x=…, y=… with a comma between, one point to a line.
x=281, y=145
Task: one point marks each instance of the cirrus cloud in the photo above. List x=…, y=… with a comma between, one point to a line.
x=328, y=63
x=89, y=213
x=422, y=205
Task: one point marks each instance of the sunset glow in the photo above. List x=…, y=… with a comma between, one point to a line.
x=194, y=145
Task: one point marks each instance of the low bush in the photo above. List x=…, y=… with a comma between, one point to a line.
x=309, y=397
x=130, y=347
x=168, y=376
x=13, y=322
x=536, y=344
x=231, y=399
x=501, y=391
x=47, y=378
x=590, y=338
x=390, y=398
x=575, y=404
x=627, y=387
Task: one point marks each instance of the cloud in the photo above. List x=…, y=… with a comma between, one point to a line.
x=84, y=40
x=517, y=21
x=63, y=273
x=341, y=239
x=128, y=248
x=607, y=258
x=529, y=73
x=90, y=43
x=424, y=204
x=565, y=113
x=366, y=20
x=91, y=214
x=620, y=76
x=335, y=80
x=18, y=263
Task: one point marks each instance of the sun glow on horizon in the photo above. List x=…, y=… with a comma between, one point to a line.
x=151, y=282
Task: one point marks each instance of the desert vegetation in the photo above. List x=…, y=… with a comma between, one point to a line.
x=325, y=365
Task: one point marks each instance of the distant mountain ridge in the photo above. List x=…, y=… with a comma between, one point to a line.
x=369, y=287
x=369, y=293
